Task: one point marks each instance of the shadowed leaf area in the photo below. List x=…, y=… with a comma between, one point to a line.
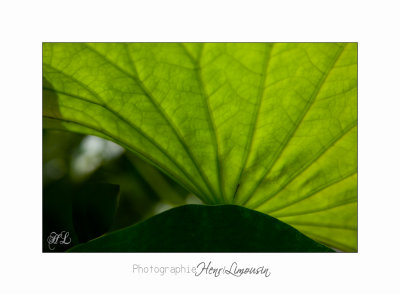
x=201, y=228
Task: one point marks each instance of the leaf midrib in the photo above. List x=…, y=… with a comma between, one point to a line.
x=210, y=118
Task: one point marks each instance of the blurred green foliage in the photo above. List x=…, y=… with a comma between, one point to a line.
x=74, y=164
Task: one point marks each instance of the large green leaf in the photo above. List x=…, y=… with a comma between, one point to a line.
x=272, y=127
x=199, y=228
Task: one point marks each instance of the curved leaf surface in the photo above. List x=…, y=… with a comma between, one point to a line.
x=272, y=127
x=200, y=228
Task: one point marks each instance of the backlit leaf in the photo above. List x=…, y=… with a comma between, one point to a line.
x=269, y=126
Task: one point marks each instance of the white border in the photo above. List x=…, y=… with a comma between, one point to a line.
x=26, y=24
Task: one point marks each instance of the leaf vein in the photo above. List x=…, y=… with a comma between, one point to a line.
x=210, y=119
x=187, y=185
x=250, y=139
x=315, y=191
x=161, y=112
x=309, y=164
x=345, y=203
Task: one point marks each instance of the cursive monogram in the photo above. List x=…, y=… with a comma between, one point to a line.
x=61, y=239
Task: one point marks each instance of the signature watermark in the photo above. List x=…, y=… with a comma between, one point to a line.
x=204, y=269
x=58, y=239
x=234, y=269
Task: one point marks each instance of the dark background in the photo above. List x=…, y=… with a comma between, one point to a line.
x=92, y=186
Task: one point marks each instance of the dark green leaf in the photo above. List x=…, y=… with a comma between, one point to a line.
x=94, y=210
x=201, y=228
